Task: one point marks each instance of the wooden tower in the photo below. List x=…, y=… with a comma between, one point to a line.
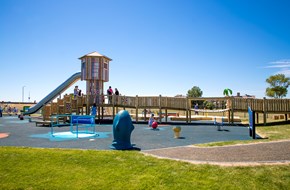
x=95, y=71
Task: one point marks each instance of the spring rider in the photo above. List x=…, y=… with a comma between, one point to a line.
x=122, y=129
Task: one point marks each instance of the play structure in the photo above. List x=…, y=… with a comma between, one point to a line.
x=95, y=72
x=80, y=125
x=51, y=96
x=252, y=125
x=219, y=123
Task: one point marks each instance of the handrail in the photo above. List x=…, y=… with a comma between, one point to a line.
x=185, y=103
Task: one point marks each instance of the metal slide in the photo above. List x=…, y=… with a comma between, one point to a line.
x=51, y=96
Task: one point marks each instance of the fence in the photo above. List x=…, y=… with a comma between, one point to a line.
x=232, y=104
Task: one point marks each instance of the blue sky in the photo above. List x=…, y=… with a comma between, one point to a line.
x=158, y=47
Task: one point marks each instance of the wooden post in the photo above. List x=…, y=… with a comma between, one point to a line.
x=136, y=105
x=166, y=113
x=87, y=104
x=113, y=105
x=186, y=110
x=124, y=102
x=160, y=110
x=229, y=106
x=189, y=103
x=144, y=111
x=233, y=106
x=99, y=113
x=264, y=111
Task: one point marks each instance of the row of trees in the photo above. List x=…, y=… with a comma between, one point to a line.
x=278, y=85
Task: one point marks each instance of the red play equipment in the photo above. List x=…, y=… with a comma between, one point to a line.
x=154, y=125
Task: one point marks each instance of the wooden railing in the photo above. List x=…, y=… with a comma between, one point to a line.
x=183, y=103
x=233, y=104
x=242, y=104
x=262, y=105
x=145, y=102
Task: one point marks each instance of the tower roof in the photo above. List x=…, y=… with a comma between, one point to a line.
x=95, y=54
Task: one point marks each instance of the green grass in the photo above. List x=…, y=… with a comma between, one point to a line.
x=275, y=132
x=268, y=133
x=32, y=168
x=35, y=168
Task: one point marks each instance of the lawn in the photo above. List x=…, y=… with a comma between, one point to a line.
x=266, y=134
x=34, y=168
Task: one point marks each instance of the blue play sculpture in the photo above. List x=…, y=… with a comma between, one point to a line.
x=122, y=129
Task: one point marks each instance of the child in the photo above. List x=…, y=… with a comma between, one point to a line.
x=94, y=109
x=15, y=110
x=1, y=111
x=151, y=120
x=196, y=109
x=76, y=91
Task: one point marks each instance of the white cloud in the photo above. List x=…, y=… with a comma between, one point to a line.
x=282, y=61
x=283, y=66
x=278, y=66
x=286, y=72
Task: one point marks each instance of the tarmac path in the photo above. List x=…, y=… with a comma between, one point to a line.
x=234, y=155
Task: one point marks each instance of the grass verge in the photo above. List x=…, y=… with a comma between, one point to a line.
x=34, y=168
x=267, y=134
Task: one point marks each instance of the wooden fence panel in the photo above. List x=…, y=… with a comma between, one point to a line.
x=277, y=105
x=177, y=103
x=128, y=101
x=147, y=102
x=242, y=104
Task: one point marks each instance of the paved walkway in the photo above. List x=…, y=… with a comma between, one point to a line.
x=159, y=143
x=248, y=154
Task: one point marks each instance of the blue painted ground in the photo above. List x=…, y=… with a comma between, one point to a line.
x=25, y=133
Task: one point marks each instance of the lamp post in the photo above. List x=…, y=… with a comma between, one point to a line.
x=23, y=93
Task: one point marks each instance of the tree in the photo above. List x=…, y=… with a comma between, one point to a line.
x=194, y=92
x=209, y=105
x=227, y=92
x=278, y=86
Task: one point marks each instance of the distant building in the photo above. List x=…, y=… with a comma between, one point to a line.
x=180, y=96
x=245, y=96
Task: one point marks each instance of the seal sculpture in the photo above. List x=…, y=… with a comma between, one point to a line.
x=122, y=129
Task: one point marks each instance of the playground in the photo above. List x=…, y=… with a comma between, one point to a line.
x=160, y=142
x=95, y=69
x=217, y=125
x=25, y=133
